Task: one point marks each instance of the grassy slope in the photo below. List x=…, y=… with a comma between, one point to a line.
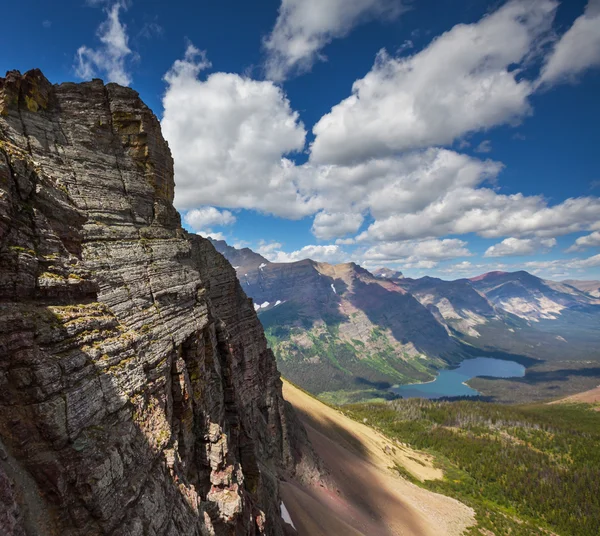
x=343, y=370
x=337, y=370
x=527, y=470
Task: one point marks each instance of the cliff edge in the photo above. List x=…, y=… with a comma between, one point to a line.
x=137, y=393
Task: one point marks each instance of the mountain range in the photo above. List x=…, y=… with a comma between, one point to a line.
x=345, y=333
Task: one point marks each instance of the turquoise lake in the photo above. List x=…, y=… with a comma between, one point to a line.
x=451, y=382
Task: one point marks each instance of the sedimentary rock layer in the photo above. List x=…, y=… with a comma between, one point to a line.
x=137, y=393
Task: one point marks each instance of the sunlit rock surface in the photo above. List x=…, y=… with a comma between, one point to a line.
x=137, y=393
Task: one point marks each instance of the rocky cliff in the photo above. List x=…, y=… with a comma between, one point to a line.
x=137, y=393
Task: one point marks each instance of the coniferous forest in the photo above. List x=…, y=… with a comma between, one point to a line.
x=524, y=469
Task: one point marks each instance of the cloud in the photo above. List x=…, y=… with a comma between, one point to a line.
x=233, y=140
x=407, y=45
x=47, y=23
x=110, y=57
x=464, y=81
x=589, y=241
x=304, y=27
x=330, y=253
x=414, y=252
x=151, y=29
x=590, y=262
x=577, y=50
x=577, y=265
x=212, y=234
x=515, y=247
x=462, y=267
x=229, y=136
x=489, y=214
x=393, y=185
x=206, y=217
x=419, y=265
x=268, y=248
x=186, y=70
x=327, y=226
x=484, y=147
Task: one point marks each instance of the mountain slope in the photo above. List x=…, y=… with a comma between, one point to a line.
x=345, y=334
x=526, y=470
x=530, y=297
x=589, y=287
x=368, y=496
x=456, y=304
x=339, y=328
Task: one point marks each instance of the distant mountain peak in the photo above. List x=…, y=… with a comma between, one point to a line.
x=387, y=273
x=241, y=259
x=495, y=273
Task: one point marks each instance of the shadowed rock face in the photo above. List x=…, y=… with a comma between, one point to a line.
x=137, y=393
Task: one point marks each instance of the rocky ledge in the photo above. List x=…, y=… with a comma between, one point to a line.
x=137, y=393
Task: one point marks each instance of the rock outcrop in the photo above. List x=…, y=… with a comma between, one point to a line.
x=137, y=393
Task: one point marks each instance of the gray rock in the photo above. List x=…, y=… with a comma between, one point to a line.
x=137, y=389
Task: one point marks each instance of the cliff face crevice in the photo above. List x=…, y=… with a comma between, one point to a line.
x=137, y=393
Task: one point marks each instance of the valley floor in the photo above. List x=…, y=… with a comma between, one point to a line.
x=368, y=497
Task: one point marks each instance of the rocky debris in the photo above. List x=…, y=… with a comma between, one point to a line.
x=136, y=388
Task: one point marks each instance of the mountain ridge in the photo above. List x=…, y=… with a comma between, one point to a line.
x=385, y=330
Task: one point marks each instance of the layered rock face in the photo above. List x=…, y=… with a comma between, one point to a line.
x=137, y=393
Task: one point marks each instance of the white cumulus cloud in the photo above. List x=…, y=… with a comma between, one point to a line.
x=464, y=81
x=206, y=217
x=514, y=247
x=577, y=50
x=376, y=155
x=212, y=234
x=489, y=214
x=328, y=253
x=413, y=252
x=229, y=136
x=572, y=266
x=327, y=226
x=588, y=241
x=304, y=27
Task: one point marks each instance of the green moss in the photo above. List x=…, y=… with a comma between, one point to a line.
x=19, y=249
x=50, y=275
x=164, y=436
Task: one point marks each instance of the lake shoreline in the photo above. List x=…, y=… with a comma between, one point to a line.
x=453, y=382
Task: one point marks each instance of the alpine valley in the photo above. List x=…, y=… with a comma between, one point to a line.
x=346, y=334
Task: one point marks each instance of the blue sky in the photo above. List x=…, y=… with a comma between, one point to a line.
x=439, y=137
